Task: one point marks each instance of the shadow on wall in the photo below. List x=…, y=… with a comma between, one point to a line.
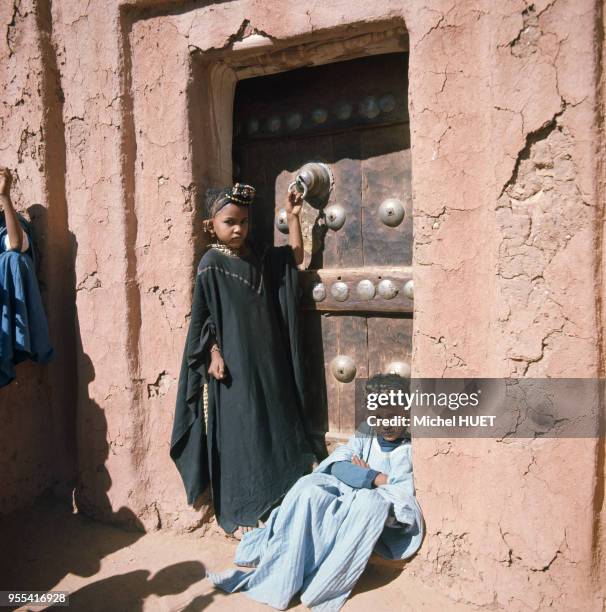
x=40, y=417
x=93, y=480
x=55, y=269
x=44, y=543
x=25, y=446
x=35, y=447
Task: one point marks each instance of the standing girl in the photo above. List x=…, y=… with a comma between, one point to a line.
x=243, y=343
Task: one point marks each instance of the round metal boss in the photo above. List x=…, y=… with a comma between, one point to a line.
x=274, y=124
x=387, y=289
x=401, y=368
x=343, y=368
x=409, y=289
x=319, y=115
x=318, y=292
x=391, y=212
x=387, y=103
x=365, y=289
x=340, y=291
x=294, y=121
x=252, y=127
x=344, y=111
x=369, y=107
x=335, y=216
x=282, y=221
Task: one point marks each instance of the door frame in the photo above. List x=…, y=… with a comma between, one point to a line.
x=214, y=75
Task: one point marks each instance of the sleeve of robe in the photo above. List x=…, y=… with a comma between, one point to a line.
x=355, y=446
x=404, y=536
x=188, y=447
x=285, y=285
x=355, y=476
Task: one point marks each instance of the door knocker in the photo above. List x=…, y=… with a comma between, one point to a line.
x=314, y=181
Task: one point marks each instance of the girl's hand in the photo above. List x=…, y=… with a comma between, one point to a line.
x=357, y=461
x=5, y=181
x=294, y=203
x=381, y=479
x=217, y=366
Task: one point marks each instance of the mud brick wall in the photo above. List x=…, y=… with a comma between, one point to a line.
x=37, y=411
x=117, y=115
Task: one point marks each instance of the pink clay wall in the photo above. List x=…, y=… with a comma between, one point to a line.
x=112, y=117
x=37, y=411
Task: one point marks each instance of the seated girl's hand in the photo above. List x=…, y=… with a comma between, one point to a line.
x=380, y=479
x=360, y=462
x=217, y=365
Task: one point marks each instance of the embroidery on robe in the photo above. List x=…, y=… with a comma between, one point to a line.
x=236, y=276
x=241, y=278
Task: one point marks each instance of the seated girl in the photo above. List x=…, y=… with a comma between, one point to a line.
x=317, y=543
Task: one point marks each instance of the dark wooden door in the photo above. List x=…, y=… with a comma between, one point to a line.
x=352, y=116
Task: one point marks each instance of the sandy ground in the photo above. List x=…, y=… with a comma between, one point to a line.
x=47, y=547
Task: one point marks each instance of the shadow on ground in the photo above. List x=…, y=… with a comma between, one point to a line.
x=128, y=591
x=43, y=544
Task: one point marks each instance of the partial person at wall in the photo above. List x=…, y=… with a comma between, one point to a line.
x=23, y=326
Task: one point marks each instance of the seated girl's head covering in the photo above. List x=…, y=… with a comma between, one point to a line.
x=240, y=195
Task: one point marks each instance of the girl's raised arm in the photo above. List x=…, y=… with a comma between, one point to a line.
x=294, y=202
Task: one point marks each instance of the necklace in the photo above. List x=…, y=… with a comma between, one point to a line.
x=223, y=248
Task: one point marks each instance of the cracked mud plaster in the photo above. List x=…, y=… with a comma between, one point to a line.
x=25, y=468
x=89, y=283
x=170, y=307
x=528, y=39
x=11, y=29
x=161, y=386
x=540, y=214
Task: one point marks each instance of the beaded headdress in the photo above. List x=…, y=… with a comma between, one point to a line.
x=240, y=195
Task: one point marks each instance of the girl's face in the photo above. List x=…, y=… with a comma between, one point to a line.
x=231, y=225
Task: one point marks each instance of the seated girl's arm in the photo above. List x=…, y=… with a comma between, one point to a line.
x=353, y=475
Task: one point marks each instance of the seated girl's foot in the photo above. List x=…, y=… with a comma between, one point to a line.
x=238, y=534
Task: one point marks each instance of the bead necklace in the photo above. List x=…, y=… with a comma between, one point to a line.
x=223, y=248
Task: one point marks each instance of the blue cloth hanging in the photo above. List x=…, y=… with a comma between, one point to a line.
x=23, y=326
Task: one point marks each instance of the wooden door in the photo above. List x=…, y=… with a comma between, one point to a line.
x=352, y=116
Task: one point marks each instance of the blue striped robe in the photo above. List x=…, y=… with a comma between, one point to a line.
x=317, y=543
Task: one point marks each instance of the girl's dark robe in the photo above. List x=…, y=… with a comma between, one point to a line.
x=23, y=327
x=256, y=445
